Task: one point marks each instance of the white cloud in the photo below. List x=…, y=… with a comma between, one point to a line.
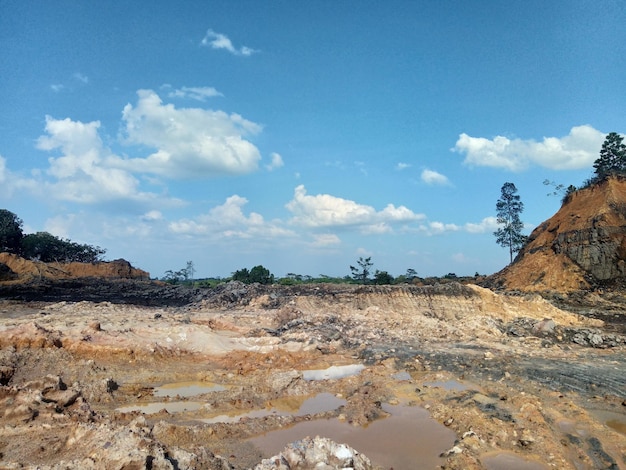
x=229, y=221
x=402, y=166
x=81, y=174
x=437, y=228
x=434, y=178
x=189, y=142
x=579, y=149
x=195, y=93
x=277, y=162
x=81, y=78
x=325, y=239
x=57, y=87
x=324, y=210
x=220, y=41
x=488, y=224
x=152, y=216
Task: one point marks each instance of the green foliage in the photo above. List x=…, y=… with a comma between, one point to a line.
x=362, y=273
x=258, y=274
x=508, y=210
x=612, y=160
x=184, y=275
x=10, y=232
x=560, y=190
x=47, y=248
x=383, y=277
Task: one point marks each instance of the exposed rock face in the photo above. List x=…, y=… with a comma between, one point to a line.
x=581, y=246
x=12, y=267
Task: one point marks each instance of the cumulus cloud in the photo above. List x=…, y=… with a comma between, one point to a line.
x=578, y=149
x=277, y=162
x=220, y=41
x=228, y=220
x=195, y=93
x=189, y=142
x=434, y=178
x=81, y=173
x=324, y=210
x=488, y=224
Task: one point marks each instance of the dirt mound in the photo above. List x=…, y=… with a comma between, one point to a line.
x=12, y=268
x=582, y=247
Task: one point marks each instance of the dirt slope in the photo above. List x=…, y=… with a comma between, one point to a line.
x=582, y=246
x=21, y=269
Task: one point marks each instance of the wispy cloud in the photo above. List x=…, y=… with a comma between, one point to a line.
x=277, y=162
x=194, y=93
x=220, y=41
x=81, y=78
x=434, y=178
x=578, y=149
x=402, y=166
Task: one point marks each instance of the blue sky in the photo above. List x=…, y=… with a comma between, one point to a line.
x=301, y=135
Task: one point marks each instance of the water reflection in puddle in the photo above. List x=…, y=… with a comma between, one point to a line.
x=450, y=385
x=170, y=407
x=402, y=375
x=615, y=421
x=286, y=407
x=333, y=372
x=509, y=461
x=407, y=440
x=187, y=389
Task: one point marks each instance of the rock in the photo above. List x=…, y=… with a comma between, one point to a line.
x=62, y=398
x=595, y=339
x=319, y=453
x=545, y=326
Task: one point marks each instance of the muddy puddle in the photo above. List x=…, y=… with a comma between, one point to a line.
x=187, y=389
x=408, y=439
x=510, y=461
x=320, y=403
x=615, y=421
x=169, y=406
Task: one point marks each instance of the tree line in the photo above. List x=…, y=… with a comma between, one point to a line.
x=43, y=246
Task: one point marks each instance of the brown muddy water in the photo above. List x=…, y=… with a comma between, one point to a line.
x=408, y=439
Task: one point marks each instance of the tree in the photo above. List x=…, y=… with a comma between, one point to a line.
x=10, y=232
x=362, y=273
x=261, y=275
x=612, y=160
x=508, y=210
x=383, y=277
x=258, y=274
x=45, y=247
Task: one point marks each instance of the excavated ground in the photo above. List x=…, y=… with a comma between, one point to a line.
x=508, y=381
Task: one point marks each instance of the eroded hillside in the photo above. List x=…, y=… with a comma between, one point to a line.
x=583, y=246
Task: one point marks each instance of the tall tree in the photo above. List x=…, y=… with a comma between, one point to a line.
x=508, y=210
x=362, y=273
x=10, y=232
x=612, y=160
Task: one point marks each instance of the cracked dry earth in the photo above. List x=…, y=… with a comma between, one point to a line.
x=400, y=377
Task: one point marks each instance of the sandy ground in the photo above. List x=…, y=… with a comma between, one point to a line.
x=504, y=381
